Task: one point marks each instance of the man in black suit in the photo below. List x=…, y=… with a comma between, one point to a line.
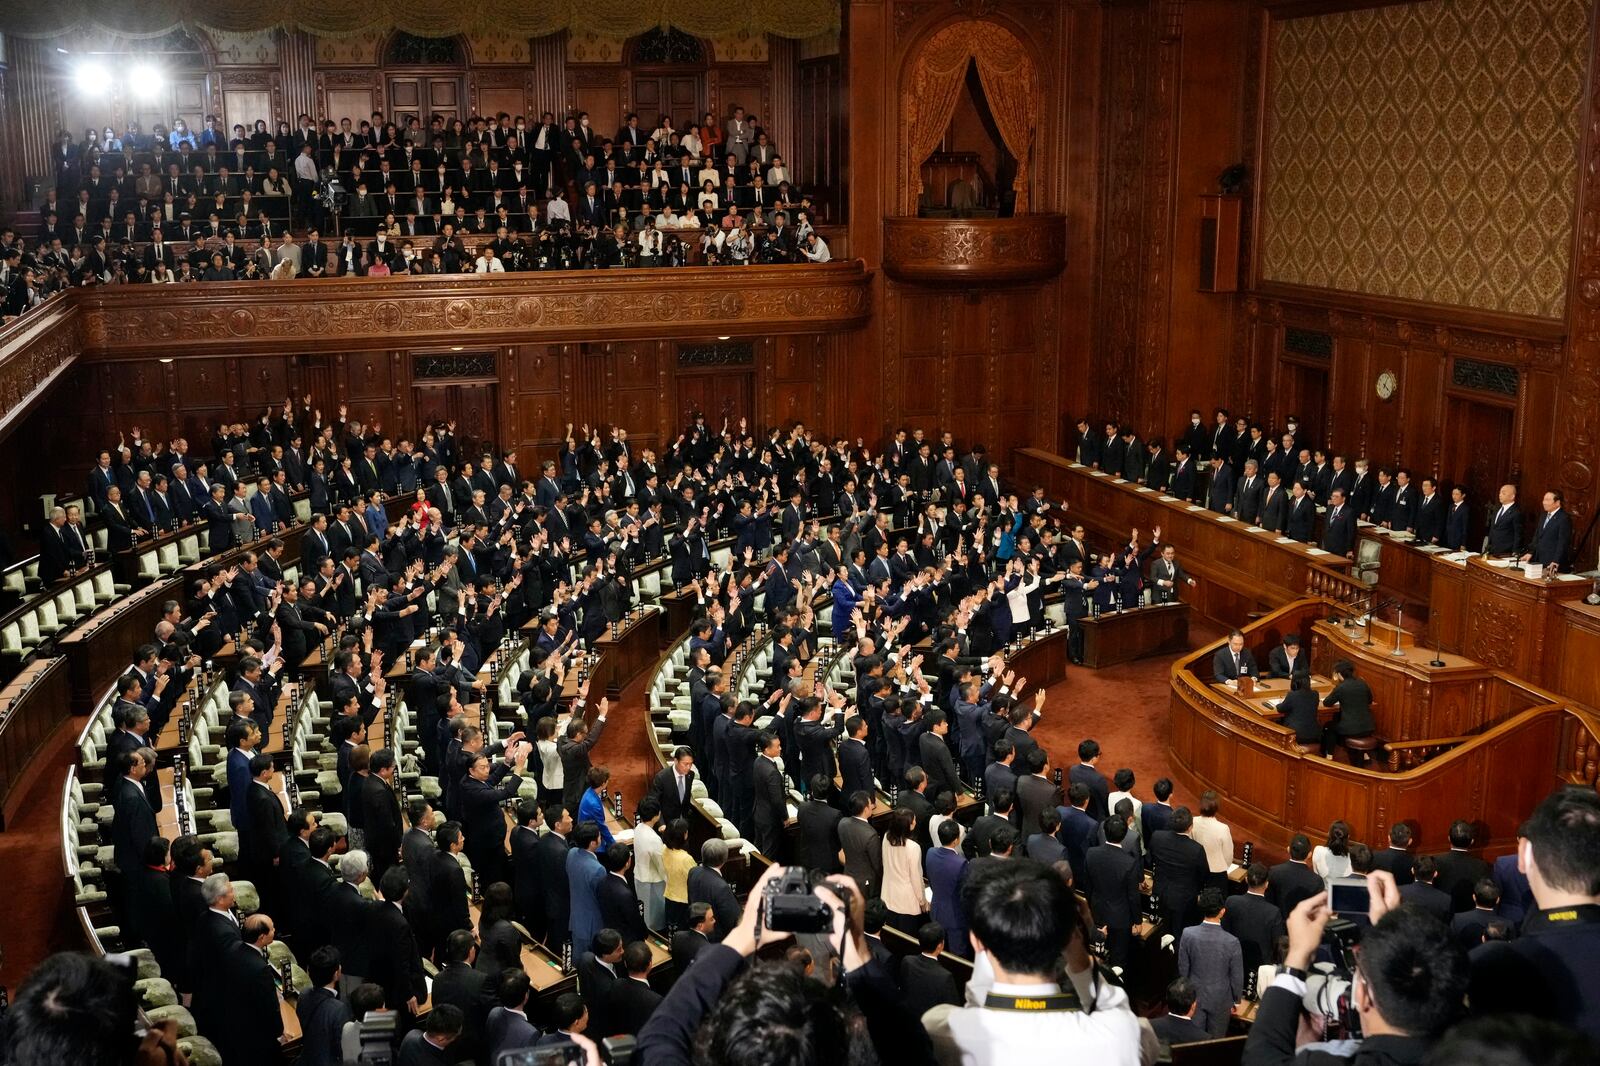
x=855, y=760
x=1339, y=530
x=1457, y=520
x=1422, y=892
x=526, y=888
x=1086, y=775
x=1471, y=926
x=468, y=989
x=1459, y=869
x=673, y=786
x=619, y=907
x=631, y=1000
x=1354, y=699
x=597, y=974
x=933, y=755
x=1254, y=920
x=914, y=797
x=769, y=808
x=707, y=885
x=1184, y=477
x=1036, y=794
x=1289, y=659
x=1505, y=525
x=1178, y=1026
x=1274, y=505
x=487, y=784
x=1429, y=519
x=924, y=982
x=380, y=813
x=554, y=888
x=1552, y=537
x=265, y=831
x=133, y=821
x=1180, y=868
x=1247, y=498
x=1219, y=496
x=321, y=1012
x=1112, y=885
x=1233, y=660
x=691, y=940
x=1290, y=882
x=1300, y=523
x=817, y=842
x=1397, y=858
x=395, y=965
x=254, y=1021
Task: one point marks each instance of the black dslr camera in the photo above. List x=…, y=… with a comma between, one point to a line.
x=789, y=906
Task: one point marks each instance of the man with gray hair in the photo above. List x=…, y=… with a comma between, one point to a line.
x=447, y=591
x=707, y=885
x=216, y=935
x=60, y=553
x=347, y=911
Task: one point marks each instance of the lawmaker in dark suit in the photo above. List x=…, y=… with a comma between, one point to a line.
x=1211, y=957
x=1180, y=868
x=1339, y=530
x=631, y=1001
x=1354, y=700
x=1423, y=893
x=1396, y=858
x=1505, y=525
x=1301, y=521
x=395, y=965
x=1274, y=506
x=619, y=907
x=1456, y=522
x=1291, y=882
x=469, y=990
x=254, y=1024
x=1552, y=537
x=1289, y=659
x=707, y=885
x=1247, y=497
x=817, y=841
x=133, y=821
x=1233, y=660
x=1299, y=710
x=924, y=982
x=1219, y=497
x=1459, y=869
x=321, y=1012
x=380, y=813
x=1255, y=920
x=1114, y=876
x=673, y=786
x=770, y=806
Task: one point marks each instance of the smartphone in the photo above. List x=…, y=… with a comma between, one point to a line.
x=1349, y=896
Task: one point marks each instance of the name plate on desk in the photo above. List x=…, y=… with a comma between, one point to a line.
x=1247, y=686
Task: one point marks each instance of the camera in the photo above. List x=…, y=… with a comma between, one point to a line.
x=614, y=1051
x=789, y=906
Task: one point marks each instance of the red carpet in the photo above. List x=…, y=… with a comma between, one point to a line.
x=1124, y=709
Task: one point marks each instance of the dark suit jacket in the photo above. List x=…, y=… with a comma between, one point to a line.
x=619, y=908
x=817, y=843
x=1505, y=530
x=1223, y=669
x=552, y=851
x=322, y=1016
x=474, y=992
x=133, y=823
x=1290, y=882
x=1278, y=663
x=686, y=944
x=1099, y=788
x=395, y=965
x=1035, y=795
x=1458, y=872
x=934, y=757
x=1339, y=533
x=380, y=813
x=1398, y=862
x=1299, y=710
x=665, y=789
x=629, y=1005
x=1456, y=525
x=1180, y=869
x=707, y=885
x=1552, y=539
x=1433, y=900
x=1174, y=1029
x=770, y=808
x=925, y=983
x=863, y=854
x=1257, y=924
x=250, y=1036
x=1354, y=700
x=1112, y=885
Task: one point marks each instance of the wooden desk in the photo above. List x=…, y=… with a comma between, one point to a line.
x=1042, y=660
x=1239, y=572
x=1270, y=791
x=629, y=651
x=1511, y=620
x=1122, y=636
x=101, y=649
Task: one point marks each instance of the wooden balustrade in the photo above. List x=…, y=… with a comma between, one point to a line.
x=1580, y=761
x=1409, y=754
x=1335, y=585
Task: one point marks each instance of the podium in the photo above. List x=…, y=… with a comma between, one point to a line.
x=1123, y=636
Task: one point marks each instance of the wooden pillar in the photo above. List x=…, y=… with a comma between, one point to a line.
x=297, y=57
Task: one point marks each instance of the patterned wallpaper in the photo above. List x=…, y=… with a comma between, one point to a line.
x=252, y=48
x=1427, y=151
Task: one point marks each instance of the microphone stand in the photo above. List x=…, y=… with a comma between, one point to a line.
x=1399, y=624
x=1435, y=661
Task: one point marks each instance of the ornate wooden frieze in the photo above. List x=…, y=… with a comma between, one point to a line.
x=736, y=354
x=33, y=351
x=974, y=251
x=373, y=313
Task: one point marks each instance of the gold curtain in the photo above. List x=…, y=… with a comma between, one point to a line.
x=536, y=18
x=1010, y=83
x=932, y=96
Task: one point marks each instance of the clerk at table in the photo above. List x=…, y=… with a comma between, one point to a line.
x=1289, y=659
x=1354, y=699
x=1552, y=538
x=1234, y=659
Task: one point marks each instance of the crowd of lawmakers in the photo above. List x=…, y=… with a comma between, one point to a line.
x=1283, y=481
x=926, y=568
x=324, y=199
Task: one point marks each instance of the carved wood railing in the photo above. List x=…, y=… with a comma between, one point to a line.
x=1409, y=754
x=35, y=349
x=1580, y=750
x=1333, y=585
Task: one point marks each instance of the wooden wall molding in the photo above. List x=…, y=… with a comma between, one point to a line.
x=374, y=313
x=975, y=251
x=34, y=352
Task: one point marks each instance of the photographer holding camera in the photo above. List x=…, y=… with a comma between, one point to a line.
x=725, y=1009
x=1407, y=985
x=1024, y=922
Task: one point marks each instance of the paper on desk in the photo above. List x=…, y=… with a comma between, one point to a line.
x=1168, y=499
x=1284, y=540
x=1571, y=577
x=1146, y=488
x=1254, y=529
x=1099, y=473
x=1119, y=481
x=1272, y=704
x=1431, y=549
x=1315, y=551
x=1362, y=523
x=1226, y=518
x=1196, y=507
x=1075, y=466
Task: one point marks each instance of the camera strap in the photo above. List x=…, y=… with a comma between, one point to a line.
x=1066, y=999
